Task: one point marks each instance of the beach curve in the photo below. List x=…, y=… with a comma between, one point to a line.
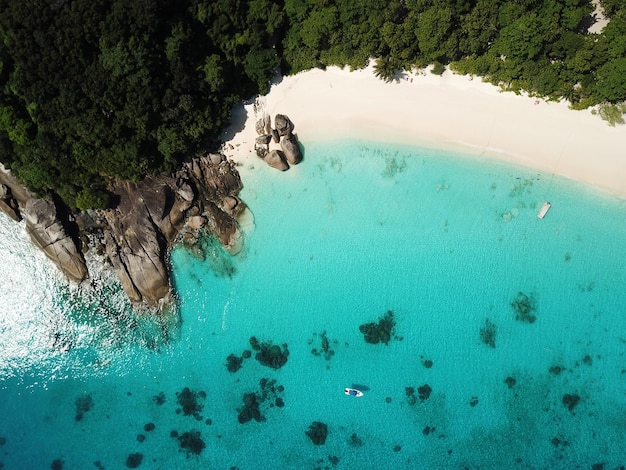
x=450, y=112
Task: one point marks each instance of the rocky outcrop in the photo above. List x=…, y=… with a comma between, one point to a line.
x=48, y=229
x=290, y=153
x=151, y=214
x=135, y=235
x=49, y=224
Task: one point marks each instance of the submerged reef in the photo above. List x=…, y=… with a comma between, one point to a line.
x=317, y=432
x=423, y=393
x=233, y=363
x=488, y=333
x=570, y=401
x=159, y=399
x=524, y=307
x=134, y=460
x=324, y=349
x=189, y=402
x=268, y=395
x=83, y=404
x=57, y=464
x=191, y=442
x=269, y=354
x=381, y=331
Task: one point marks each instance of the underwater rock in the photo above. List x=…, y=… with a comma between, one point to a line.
x=325, y=349
x=233, y=363
x=271, y=355
x=141, y=437
x=397, y=448
x=317, y=432
x=427, y=363
x=570, y=401
x=424, y=392
x=250, y=410
x=188, y=400
x=524, y=307
x=556, y=370
x=355, y=441
x=134, y=460
x=57, y=464
x=159, y=399
x=83, y=404
x=410, y=395
x=380, y=332
x=473, y=401
x=254, y=343
x=149, y=427
x=510, y=382
x=191, y=442
x=488, y=333
x=246, y=354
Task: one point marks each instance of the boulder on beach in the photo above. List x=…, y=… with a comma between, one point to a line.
x=283, y=125
x=290, y=147
x=276, y=159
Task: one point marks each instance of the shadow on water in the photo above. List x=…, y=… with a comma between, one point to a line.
x=363, y=388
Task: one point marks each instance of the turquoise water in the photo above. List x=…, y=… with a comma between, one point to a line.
x=449, y=245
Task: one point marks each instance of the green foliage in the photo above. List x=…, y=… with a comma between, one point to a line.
x=92, y=90
x=612, y=113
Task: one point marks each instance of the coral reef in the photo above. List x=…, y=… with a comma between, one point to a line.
x=570, y=401
x=488, y=333
x=250, y=409
x=325, y=349
x=57, y=464
x=134, y=460
x=510, y=382
x=188, y=401
x=524, y=307
x=233, y=363
x=268, y=396
x=269, y=354
x=149, y=427
x=424, y=392
x=83, y=404
x=355, y=441
x=159, y=399
x=317, y=432
x=381, y=331
x=191, y=442
x=427, y=363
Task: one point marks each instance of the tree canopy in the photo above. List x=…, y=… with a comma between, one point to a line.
x=92, y=90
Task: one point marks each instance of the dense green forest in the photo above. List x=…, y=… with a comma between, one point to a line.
x=92, y=90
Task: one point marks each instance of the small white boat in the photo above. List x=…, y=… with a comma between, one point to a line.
x=353, y=392
x=544, y=210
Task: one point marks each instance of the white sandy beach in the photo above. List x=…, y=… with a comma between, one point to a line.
x=449, y=111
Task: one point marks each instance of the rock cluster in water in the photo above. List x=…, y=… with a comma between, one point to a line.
x=488, y=333
x=317, y=432
x=282, y=133
x=324, y=350
x=254, y=403
x=381, y=331
x=524, y=307
x=268, y=354
x=189, y=402
x=134, y=236
x=83, y=404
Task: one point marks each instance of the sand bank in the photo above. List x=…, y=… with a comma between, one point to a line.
x=449, y=111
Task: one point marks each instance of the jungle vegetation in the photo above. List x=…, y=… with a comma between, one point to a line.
x=92, y=90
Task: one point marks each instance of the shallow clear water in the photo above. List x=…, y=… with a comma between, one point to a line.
x=448, y=244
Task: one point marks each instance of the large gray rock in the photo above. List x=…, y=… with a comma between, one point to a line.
x=276, y=159
x=290, y=147
x=46, y=229
x=283, y=125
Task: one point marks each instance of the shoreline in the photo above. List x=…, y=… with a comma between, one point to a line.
x=448, y=112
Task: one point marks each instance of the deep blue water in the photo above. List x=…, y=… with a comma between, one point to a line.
x=507, y=349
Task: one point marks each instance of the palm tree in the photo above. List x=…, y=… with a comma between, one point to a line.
x=385, y=69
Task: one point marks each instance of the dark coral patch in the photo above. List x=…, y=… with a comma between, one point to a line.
x=317, y=432
x=134, y=460
x=381, y=331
